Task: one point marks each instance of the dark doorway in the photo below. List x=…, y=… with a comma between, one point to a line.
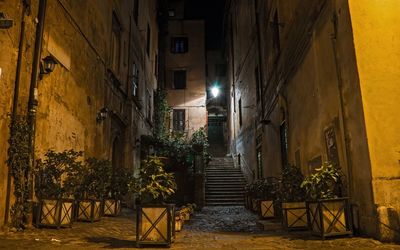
x=216, y=136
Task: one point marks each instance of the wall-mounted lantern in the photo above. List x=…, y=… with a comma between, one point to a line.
x=102, y=115
x=47, y=66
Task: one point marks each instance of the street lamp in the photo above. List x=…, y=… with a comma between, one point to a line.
x=215, y=91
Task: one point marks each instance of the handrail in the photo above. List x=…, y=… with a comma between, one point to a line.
x=249, y=173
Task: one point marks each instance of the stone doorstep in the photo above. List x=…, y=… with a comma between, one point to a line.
x=270, y=225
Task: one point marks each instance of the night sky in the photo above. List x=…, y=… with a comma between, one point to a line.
x=213, y=12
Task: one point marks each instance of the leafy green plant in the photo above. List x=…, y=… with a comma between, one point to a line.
x=18, y=159
x=199, y=143
x=290, y=187
x=325, y=183
x=121, y=181
x=51, y=172
x=97, y=178
x=199, y=140
x=175, y=147
x=154, y=183
x=268, y=188
x=161, y=110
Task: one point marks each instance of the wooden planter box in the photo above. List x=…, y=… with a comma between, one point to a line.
x=111, y=207
x=330, y=217
x=266, y=209
x=255, y=205
x=155, y=225
x=89, y=210
x=178, y=223
x=294, y=215
x=55, y=213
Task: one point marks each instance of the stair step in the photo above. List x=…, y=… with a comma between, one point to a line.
x=224, y=204
x=224, y=183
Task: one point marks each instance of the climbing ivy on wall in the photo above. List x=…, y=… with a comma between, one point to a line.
x=161, y=110
x=18, y=162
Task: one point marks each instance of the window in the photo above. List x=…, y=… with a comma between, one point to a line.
x=115, y=43
x=220, y=69
x=148, y=40
x=179, y=79
x=135, y=81
x=257, y=79
x=240, y=111
x=136, y=11
x=171, y=13
x=179, y=120
x=179, y=45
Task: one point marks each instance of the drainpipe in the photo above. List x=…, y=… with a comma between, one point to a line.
x=33, y=95
x=260, y=61
x=343, y=124
x=25, y=8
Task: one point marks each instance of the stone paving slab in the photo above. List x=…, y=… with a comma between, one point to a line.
x=212, y=228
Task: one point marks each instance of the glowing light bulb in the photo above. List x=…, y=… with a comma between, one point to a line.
x=215, y=91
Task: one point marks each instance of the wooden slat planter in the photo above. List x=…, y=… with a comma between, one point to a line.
x=266, y=209
x=55, y=213
x=294, y=215
x=89, y=210
x=111, y=207
x=330, y=217
x=155, y=225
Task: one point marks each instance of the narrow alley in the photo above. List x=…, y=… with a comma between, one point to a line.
x=252, y=124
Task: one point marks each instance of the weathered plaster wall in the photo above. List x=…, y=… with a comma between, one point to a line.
x=193, y=98
x=377, y=49
x=78, y=36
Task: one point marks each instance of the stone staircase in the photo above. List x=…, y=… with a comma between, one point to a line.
x=224, y=184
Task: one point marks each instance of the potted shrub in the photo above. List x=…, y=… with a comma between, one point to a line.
x=292, y=197
x=55, y=209
x=155, y=220
x=90, y=187
x=328, y=213
x=268, y=189
x=121, y=180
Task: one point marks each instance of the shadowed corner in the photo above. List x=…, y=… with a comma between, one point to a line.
x=112, y=242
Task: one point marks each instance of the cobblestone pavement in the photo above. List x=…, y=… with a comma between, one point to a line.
x=212, y=228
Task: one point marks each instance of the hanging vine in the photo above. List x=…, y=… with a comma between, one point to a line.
x=161, y=110
x=18, y=162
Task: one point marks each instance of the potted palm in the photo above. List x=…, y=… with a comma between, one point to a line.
x=268, y=189
x=155, y=219
x=90, y=182
x=55, y=208
x=328, y=212
x=292, y=197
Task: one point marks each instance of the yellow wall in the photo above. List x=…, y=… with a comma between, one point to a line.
x=376, y=32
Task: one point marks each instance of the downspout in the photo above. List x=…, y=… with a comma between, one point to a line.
x=260, y=61
x=343, y=124
x=33, y=95
x=25, y=8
